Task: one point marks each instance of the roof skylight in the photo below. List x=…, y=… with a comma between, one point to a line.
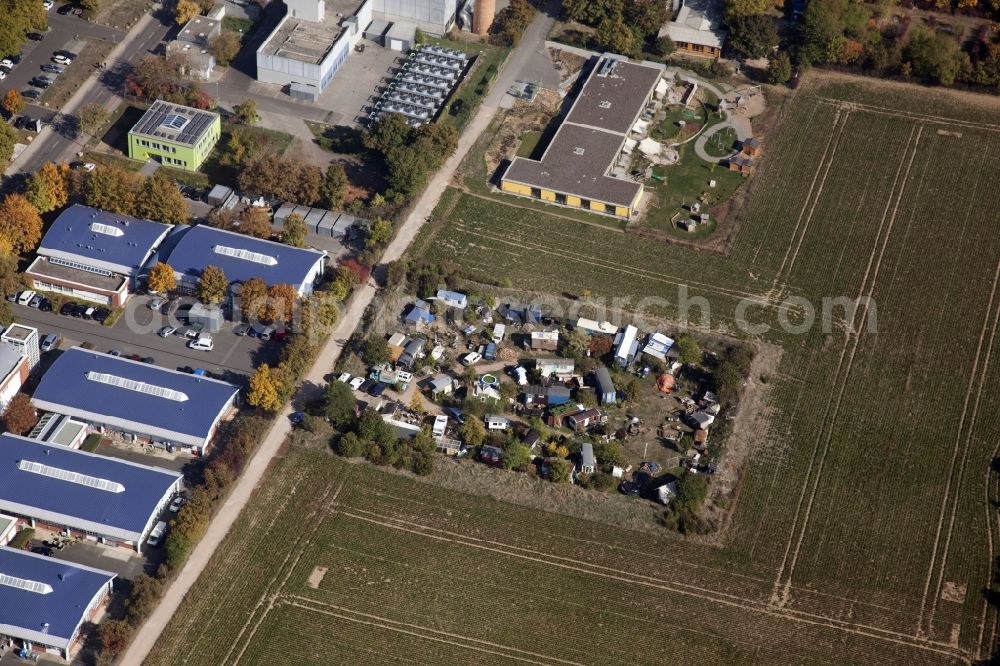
x=25, y=584
x=174, y=121
x=70, y=476
x=106, y=229
x=137, y=386
x=246, y=255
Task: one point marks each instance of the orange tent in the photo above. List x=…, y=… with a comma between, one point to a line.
x=665, y=382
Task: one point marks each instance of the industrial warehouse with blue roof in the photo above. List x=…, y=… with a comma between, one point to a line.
x=45, y=601
x=243, y=257
x=94, y=255
x=105, y=498
x=134, y=398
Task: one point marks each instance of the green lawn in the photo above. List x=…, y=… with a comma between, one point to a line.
x=529, y=142
x=464, y=101
x=274, y=142
x=339, y=139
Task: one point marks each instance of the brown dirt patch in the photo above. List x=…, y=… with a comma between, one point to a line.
x=520, y=119
x=316, y=577
x=952, y=591
x=567, y=63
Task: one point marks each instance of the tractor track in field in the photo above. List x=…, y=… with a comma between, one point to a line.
x=782, y=591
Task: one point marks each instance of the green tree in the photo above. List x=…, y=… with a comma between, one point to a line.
x=376, y=350
x=688, y=349
x=473, y=431
x=350, y=446
x=19, y=18
x=779, y=69
x=114, y=634
x=614, y=35
x=559, y=470
x=935, y=55
x=295, y=230
x=610, y=454
x=423, y=441
x=334, y=186
x=20, y=223
x=246, y=112
x=8, y=137
x=339, y=403
x=143, y=598
x=516, y=456
x=91, y=118
x=225, y=47
x=161, y=278
x=48, y=187
x=265, y=389
x=390, y=131
x=177, y=548
x=819, y=29
x=752, y=35
x=13, y=102
x=422, y=463
x=373, y=428
x=244, y=146
x=213, y=285
x=113, y=189
x=379, y=233
x=591, y=12
x=664, y=46
x=160, y=199
x=741, y=8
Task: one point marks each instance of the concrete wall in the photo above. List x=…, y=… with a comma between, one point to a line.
x=432, y=16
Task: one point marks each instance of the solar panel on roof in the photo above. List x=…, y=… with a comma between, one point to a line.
x=174, y=121
x=70, y=476
x=137, y=386
x=25, y=584
x=247, y=255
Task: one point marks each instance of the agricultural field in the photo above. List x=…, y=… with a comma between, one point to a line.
x=865, y=526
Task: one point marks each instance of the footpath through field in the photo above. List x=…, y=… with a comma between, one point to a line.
x=532, y=43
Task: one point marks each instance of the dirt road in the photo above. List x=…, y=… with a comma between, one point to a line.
x=531, y=43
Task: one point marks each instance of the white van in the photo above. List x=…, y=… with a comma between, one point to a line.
x=25, y=297
x=202, y=342
x=156, y=534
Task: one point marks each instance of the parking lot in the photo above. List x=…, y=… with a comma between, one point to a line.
x=66, y=32
x=233, y=357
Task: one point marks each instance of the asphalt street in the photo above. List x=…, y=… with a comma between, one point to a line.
x=56, y=143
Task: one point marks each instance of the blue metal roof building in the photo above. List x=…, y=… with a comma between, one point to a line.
x=118, y=243
x=45, y=601
x=135, y=398
x=106, y=498
x=94, y=255
x=243, y=257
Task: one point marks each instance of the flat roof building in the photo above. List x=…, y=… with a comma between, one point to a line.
x=242, y=257
x=25, y=340
x=45, y=601
x=575, y=169
x=175, y=135
x=13, y=372
x=94, y=255
x=148, y=402
x=104, y=499
x=194, y=41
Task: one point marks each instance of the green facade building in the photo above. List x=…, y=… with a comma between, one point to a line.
x=177, y=136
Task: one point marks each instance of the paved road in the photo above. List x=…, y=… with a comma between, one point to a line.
x=150, y=631
x=103, y=88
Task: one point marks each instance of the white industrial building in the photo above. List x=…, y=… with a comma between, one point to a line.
x=314, y=39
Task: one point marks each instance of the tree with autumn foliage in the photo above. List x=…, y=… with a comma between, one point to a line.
x=20, y=223
x=12, y=102
x=265, y=388
x=48, y=188
x=281, y=303
x=213, y=285
x=256, y=222
x=160, y=199
x=253, y=298
x=20, y=415
x=161, y=278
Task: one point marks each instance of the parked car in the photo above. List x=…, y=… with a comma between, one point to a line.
x=52, y=69
x=35, y=301
x=100, y=314
x=629, y=488
x=202, y=343
x=296, y=418
x=86, y=166
x=155, y=304
x=24, y=297
x=45, y=305
x=42, y=550
x=378, y=389
x=114, y=352
x=88, y=313
x=471, y=358
x=49, y=342
x=176, y=505
x=31, y=93
x=357, y=382
x=3, y=74
x=61, y=59
x=40, y=82
x=149, y=360
x=166, y=331
x=344, y=377
x=66, y=309
x=241, y=329
x=156, y=534
x=366, y=385
x=48, y=4
x=68, y=54
x=7, y=63
x=35, y=36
